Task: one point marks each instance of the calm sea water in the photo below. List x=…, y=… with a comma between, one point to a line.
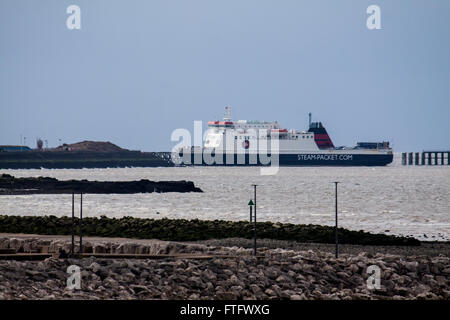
x=402, y=200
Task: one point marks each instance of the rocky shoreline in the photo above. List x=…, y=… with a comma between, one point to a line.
x=273, y=274
x=9, y=185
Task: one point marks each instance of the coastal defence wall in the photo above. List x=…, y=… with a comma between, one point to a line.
x=82, y=159
x=274, y=274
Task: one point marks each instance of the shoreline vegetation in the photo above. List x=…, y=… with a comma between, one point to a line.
x=194, y=230
x=10, y=185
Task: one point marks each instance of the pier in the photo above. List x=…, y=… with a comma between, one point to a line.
x=426, y=158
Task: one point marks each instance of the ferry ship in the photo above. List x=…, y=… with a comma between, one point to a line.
x=259, y=143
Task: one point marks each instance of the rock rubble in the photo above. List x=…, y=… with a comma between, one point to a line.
x=274, y=274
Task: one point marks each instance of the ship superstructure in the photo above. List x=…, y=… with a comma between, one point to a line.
x=246, y=142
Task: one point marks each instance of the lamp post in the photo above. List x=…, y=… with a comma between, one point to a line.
x=73, y=224
x=254, y=222
x=336, y=218
x=81, y=223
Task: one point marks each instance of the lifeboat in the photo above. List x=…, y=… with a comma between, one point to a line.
x=279, y=131
x=220, y=123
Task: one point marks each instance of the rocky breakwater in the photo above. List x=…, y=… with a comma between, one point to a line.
x=274, y=274
x=45, y=185
x=193, y=230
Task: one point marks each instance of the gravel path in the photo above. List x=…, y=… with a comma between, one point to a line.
x=426, y=248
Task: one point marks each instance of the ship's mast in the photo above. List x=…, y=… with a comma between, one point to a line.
x=227, y=115
x=310, y=119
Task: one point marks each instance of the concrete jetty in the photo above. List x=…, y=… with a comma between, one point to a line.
x=426, y=158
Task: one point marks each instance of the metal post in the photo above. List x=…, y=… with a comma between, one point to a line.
x=442, y=158
x=423, y=158
x=250, y=214
x=448, y=158
x=435, y=158
x=416, y=159
x=254, y=222
x=81, y=223
x=404, y=158
x=336, y=218
x=73, y=225
x=429, y=158
x=410, y=158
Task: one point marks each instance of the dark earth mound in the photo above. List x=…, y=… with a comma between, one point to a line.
x=90, y=146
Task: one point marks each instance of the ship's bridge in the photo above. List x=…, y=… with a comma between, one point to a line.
x=245, y=124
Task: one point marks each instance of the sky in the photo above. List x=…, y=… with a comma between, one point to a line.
x=139, y=69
